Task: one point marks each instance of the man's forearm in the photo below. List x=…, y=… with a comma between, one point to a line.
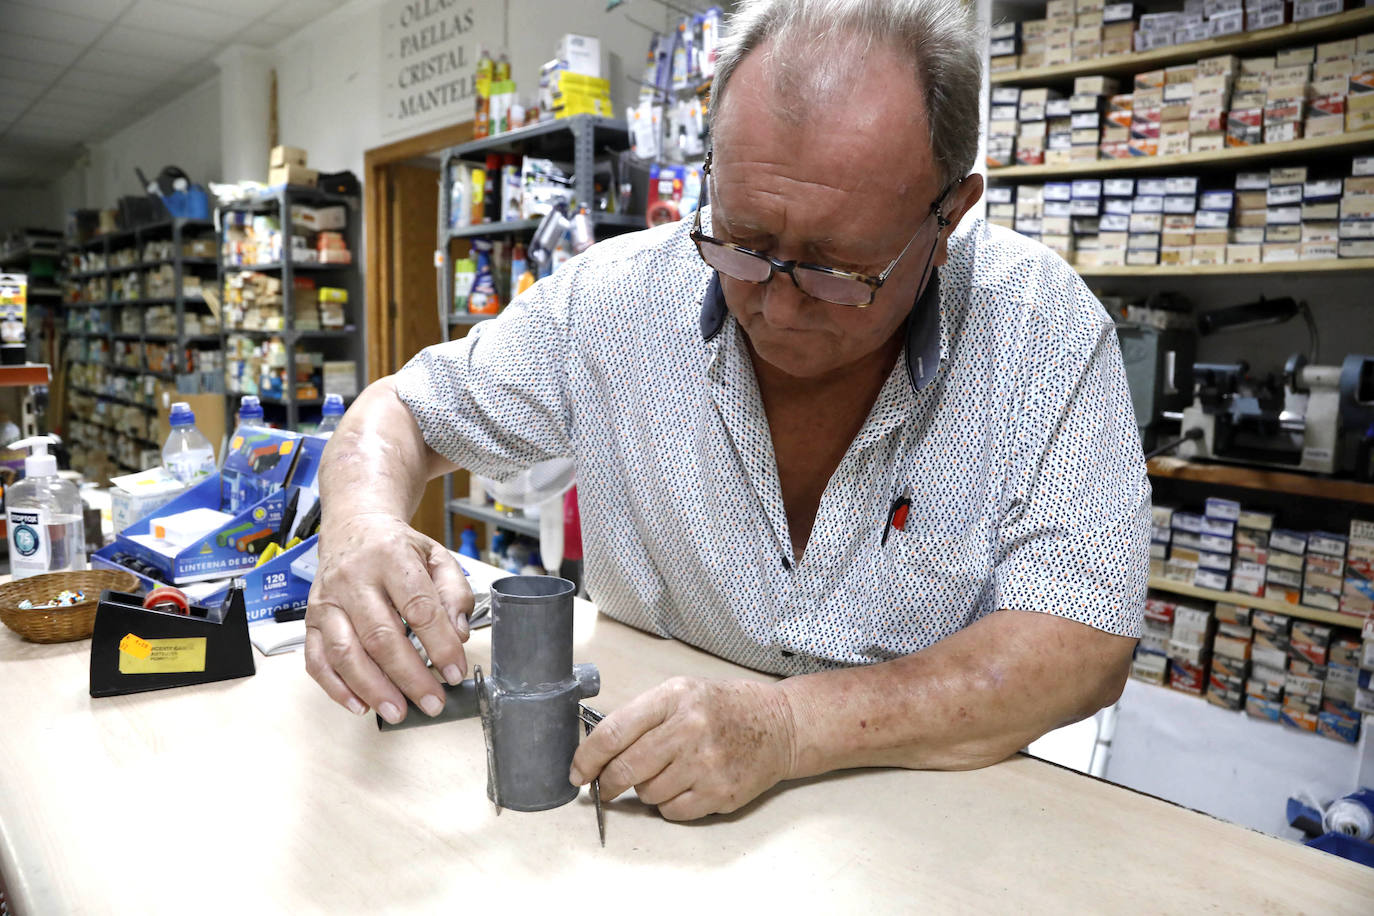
x=377, y=459
x=967, y=701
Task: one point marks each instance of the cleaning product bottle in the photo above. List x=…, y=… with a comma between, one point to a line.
x=481, y=124
x=518, y=269
x=332, y=413
x=44, y=516
x=188, y=455
x=484, y=299
x=250, y=411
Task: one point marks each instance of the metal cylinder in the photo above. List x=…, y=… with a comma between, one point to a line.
x=535, y=691
x=531, y=631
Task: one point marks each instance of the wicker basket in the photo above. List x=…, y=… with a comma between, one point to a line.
x=59, y=624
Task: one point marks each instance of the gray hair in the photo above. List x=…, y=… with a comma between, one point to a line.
x=942, y=38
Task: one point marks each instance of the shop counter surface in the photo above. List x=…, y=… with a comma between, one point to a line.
x=260, y=795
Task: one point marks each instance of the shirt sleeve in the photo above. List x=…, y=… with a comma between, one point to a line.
x=497, y=401
x=1074, y=539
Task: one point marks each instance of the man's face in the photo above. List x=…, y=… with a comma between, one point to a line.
x=846, y=185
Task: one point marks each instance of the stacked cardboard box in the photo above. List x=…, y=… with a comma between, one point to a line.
x=1287, y=554
x=1311, y=91
x=1357, y=596
x=1303, y=684
x=1161, y=533
x=1324, y=570
x=1231, y=649
x=1001, y=200
x=1190, y=649
x=1202, y=547
x=1269, y=665
x=1004, y=47
x=1339, y=717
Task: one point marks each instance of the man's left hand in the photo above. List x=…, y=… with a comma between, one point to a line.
x=692, y=746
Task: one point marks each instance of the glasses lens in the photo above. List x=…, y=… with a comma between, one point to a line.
x=839, y=290
x=733, y=262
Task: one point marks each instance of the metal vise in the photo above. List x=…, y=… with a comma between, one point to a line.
x=529, y=703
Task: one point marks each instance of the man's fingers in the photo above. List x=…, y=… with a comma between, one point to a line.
x=413, y=594
x=350, y=653
x=675, y=779
x=688, y=806
x=455, y=595
x=645, y=758
x=319, y=668
x=615, y=733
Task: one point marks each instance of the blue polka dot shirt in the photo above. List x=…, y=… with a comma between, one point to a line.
x=1007, y=418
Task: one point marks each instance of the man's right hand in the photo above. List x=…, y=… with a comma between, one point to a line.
x=376, y=574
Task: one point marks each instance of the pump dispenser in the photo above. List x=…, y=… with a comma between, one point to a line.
x=44, y=516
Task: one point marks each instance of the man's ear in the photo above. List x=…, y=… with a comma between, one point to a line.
x=968, y=193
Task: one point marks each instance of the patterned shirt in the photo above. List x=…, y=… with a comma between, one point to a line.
x=1007, y=417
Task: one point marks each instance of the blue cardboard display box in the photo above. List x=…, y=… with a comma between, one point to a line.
x=272, y=586
x=231, y=549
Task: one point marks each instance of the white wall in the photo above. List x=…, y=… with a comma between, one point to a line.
x=185, y=132
x=329, y=75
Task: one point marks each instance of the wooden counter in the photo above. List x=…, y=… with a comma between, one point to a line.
x=261, y=796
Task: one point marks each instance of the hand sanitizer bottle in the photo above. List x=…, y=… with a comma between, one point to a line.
x=44, y=516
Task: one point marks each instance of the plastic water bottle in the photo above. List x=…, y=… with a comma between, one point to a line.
x=468, y=545
x=44, y=516
x=332, y=413
x=188, y=455
x=250, y=411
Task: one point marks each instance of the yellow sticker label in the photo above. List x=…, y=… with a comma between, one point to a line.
x=285, y=447
x=135, y=646
x=165, y=656
x=235, y=445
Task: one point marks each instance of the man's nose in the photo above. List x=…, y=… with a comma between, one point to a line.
x=783, y=301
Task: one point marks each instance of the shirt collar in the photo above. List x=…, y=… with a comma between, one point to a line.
x=926, y=337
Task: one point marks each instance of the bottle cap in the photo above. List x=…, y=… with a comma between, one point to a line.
x=333, y=405
x=181, y=415
x=250, y=408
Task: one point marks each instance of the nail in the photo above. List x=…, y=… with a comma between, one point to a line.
x=431, y=704
x=575, y=776
x=390, y=712
x=356, y=706
x=452, y=674
x=464, y=626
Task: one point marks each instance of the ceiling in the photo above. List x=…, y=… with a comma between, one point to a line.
x=73, y=72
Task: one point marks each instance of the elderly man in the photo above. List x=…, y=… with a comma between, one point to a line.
x=826, y=429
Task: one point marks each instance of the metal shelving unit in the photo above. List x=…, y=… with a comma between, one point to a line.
x=336, y=344
x=577, y=140
x=178, y=232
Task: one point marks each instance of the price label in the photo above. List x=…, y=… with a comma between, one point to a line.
x=135, y=646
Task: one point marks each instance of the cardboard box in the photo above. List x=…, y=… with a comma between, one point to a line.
x=292, y=175
x=286, y=155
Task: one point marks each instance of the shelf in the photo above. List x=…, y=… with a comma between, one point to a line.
x=623, y=220
x=1262, y=604
x=467, y=318
x=325, y=333
x=1128, y=64
x=508, y=227
x=1219, y=159
x=511, y=227
x=511, y=139
x=272, y=266
x=1287, y=268
x=188, y=338
x=112, y=397
x=466, y=509
x=24, y=375
x=1272, y=481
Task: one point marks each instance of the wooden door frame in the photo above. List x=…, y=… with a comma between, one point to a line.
x=375, y=210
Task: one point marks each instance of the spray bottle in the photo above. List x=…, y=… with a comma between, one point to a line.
x=44, y=515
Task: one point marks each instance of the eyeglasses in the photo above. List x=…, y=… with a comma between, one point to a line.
x=838, y=287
